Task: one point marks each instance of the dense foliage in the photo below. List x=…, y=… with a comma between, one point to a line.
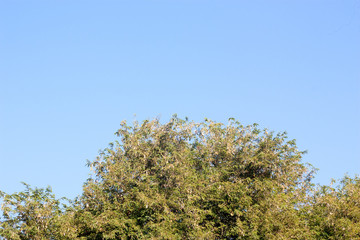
x=186, y=180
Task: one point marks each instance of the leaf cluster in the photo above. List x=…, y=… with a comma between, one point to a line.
x=187, y=180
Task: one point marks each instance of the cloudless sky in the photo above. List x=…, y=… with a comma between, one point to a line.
x=71, y=71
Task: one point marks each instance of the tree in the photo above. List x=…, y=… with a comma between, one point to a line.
x=186, y=180
x=35, y=214
x=335, y=212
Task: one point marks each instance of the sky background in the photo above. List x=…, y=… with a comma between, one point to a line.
x=71, y=71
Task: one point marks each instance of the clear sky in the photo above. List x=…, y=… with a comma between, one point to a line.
x=71, y=71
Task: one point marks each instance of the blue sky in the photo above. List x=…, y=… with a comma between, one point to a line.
x=71, y=71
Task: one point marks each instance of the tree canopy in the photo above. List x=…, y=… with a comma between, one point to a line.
x=187, y=180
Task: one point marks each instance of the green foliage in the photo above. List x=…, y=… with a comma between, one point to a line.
x=336, y=210
x=33, y=214
x=196, y=181
x=186, y=180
